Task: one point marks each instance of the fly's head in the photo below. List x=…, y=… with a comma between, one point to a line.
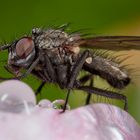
x=21, y=54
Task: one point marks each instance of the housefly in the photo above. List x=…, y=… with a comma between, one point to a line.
x=55, y=56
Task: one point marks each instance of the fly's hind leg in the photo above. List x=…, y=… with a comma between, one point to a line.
x=106, y=93
x=82, y=81
x=89, y=95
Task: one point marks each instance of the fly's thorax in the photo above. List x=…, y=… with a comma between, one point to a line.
x=54, y=38
x=49, y=39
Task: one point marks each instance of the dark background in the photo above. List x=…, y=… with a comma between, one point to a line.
x=109, y=17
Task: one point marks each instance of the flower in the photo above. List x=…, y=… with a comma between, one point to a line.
x=22, y=119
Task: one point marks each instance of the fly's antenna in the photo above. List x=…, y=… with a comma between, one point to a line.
x=4, y=47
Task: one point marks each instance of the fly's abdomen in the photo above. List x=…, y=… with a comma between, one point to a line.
x=108, y=70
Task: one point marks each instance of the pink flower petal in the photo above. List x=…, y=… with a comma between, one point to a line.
x=92, y=122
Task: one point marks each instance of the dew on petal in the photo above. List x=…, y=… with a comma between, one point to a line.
x=16, y=97
x=59, y=104
x=44, y=103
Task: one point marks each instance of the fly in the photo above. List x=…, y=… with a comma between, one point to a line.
x=55, y=56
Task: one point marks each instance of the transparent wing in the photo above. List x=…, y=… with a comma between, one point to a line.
x=111, y=42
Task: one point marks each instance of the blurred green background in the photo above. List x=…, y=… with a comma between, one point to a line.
x=103, y=17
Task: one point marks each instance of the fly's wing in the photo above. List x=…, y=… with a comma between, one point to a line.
x=111, y=42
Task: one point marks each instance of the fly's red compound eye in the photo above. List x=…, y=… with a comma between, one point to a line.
x=24, y=47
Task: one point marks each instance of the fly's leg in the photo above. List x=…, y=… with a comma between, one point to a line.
x=82, y=81
x=77, y=68
x=41, y=76
x=49, y=74
x=85, y=78
x=8, y=69
x=89, y=95
x=33, y=65
x=49, y=68
x=66, y=101
x=40, y=88
x=74, y=73
x=106, y=93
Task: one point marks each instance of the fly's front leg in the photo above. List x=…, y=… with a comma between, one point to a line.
x=32, y=66
x=40, y=88
x=41, y=76
x=7, y=68
x=48, y=76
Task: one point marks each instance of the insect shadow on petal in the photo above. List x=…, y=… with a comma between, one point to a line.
x=55, y=56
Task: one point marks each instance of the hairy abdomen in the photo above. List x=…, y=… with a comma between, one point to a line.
x=108, y=70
